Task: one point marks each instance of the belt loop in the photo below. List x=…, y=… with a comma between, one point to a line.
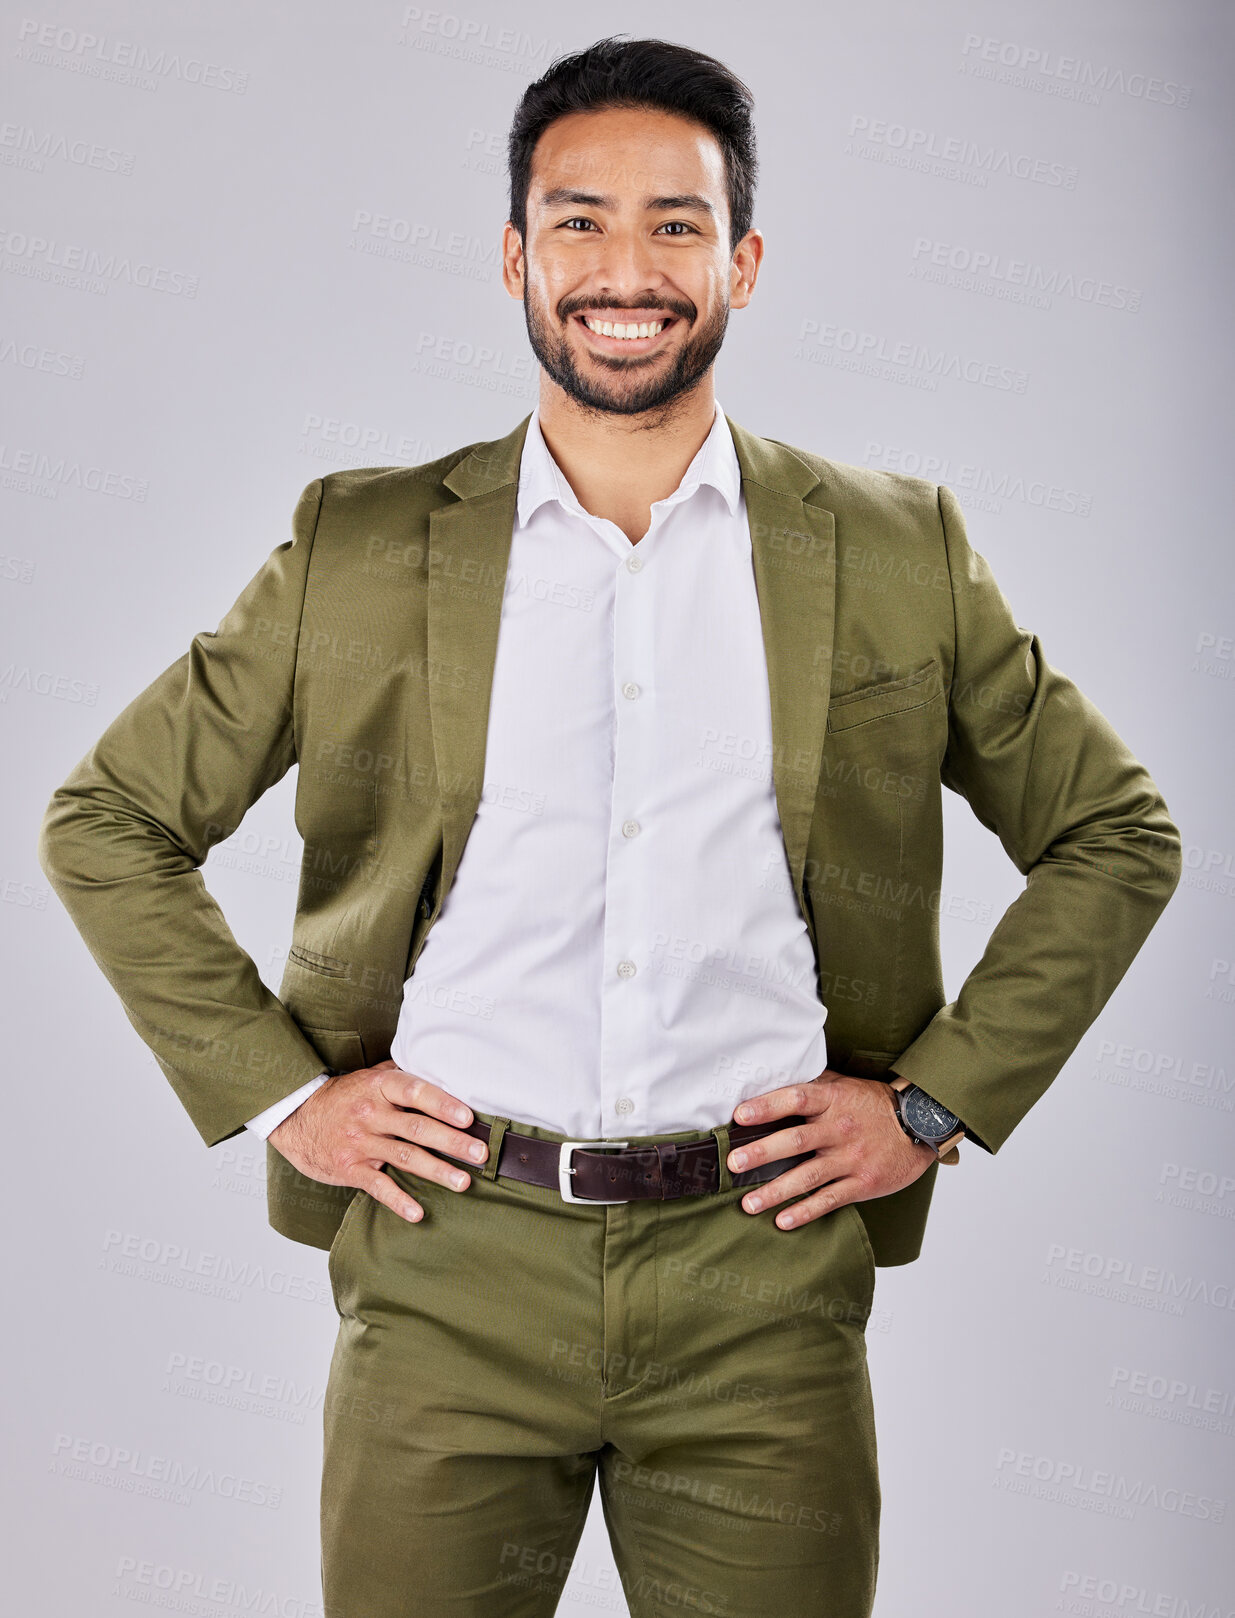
x=497, y=1129
x=724, y=1179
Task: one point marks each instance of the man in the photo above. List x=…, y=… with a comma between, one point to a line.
x=615, y=786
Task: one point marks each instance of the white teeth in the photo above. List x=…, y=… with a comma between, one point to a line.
x=609, y=328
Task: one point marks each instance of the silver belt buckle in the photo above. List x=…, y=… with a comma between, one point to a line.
x=564, y=1170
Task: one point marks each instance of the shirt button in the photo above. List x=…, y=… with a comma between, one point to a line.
x=634, y=563
x=630, y=689
x=631, y=828
x=623, y=1105
x=626, y=969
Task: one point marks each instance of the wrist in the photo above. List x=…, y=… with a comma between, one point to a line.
x=265, y=1124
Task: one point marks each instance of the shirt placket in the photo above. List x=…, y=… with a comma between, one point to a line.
x=628, y=989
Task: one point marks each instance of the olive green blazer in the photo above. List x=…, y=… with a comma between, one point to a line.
x=363, y=653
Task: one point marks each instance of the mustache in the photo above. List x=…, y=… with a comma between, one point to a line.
x=573, y=307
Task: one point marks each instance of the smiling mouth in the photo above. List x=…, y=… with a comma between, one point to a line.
x=629, y=336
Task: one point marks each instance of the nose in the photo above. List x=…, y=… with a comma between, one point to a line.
x=625, y=266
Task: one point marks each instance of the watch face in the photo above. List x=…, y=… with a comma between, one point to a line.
x=926, y=1116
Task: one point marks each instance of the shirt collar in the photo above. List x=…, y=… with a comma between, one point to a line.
x=541, y=479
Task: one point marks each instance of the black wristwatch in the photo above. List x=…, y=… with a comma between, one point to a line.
x=926, y=1120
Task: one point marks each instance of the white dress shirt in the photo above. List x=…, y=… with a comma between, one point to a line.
x=621, y=951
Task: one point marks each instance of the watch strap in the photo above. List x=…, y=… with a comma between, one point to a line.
x=948, y=1151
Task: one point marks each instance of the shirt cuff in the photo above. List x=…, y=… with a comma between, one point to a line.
x=273, y=1116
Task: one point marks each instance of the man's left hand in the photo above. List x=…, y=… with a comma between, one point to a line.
x=851, y=1126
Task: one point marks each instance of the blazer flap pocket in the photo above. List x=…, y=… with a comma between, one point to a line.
x=869, y=1064
x=887, y=697
x=341, y=1049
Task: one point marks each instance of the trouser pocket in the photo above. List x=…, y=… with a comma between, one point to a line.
x=334, y=1260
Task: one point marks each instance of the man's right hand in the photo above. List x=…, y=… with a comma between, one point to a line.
x=355, y=1122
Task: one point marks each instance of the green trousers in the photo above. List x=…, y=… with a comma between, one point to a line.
x=495, y=1357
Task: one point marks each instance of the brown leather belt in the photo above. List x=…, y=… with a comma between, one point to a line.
x=597, y=1171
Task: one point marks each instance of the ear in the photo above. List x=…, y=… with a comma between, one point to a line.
x=512, y=261
x=747, y=257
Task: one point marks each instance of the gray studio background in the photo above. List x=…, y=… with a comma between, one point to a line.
x=292, y=217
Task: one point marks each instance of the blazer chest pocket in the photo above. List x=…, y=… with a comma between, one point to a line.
x=881, y=758
x=329, y=965
x=888, y=699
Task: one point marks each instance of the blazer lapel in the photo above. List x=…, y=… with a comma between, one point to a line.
x=469, y=549
x=793, y=547
x=794, y=558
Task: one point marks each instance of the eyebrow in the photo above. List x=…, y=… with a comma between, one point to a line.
x=594, y=199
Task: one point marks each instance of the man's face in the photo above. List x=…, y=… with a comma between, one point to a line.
x=628, y=224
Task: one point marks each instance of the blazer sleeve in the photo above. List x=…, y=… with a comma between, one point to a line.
x=1084, y=824
x=123, y=839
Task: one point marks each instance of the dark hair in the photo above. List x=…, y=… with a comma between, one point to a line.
x=640, y=73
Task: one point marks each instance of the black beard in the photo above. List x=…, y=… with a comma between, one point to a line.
x=627, y=397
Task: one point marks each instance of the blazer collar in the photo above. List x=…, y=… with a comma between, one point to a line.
x=766, y=461
x=794, y=558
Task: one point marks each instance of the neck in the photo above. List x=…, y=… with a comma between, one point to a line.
x=618, y=466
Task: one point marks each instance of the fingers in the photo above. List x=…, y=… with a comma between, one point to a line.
x=416, y=1160
x=383, y=1189
x=823, y=1169
x=350, y=1128
x=781, y=1143
x=807, y=1096
x=835, y=1125
x=853, y=1145
x=413, y=1160
x=827, y=1200
x=424, y=1118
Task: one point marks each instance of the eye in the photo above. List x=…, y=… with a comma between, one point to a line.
x=577, y=220
x=677, y=224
